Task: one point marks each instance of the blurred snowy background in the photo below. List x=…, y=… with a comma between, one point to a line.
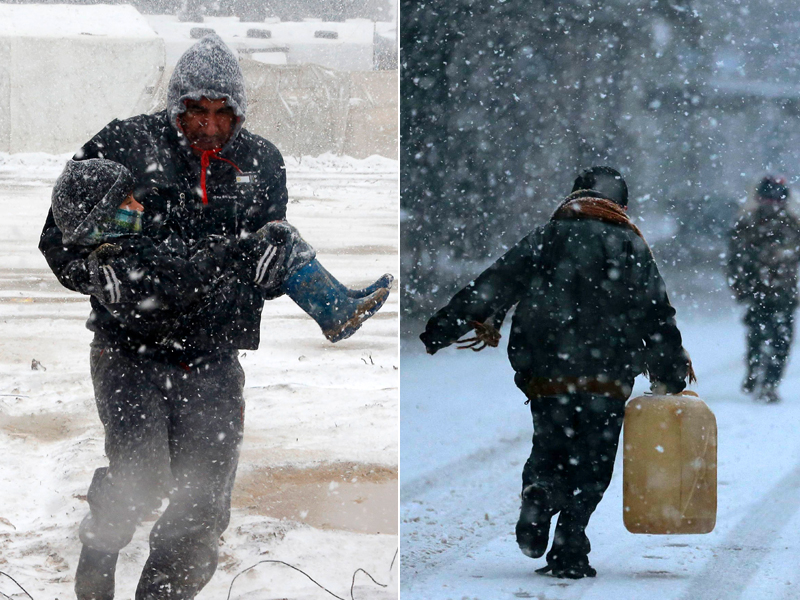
x=504, y=102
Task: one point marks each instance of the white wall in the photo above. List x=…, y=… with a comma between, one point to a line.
x=66, y=71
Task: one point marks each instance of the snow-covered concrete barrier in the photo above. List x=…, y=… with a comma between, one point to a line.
x=66, y=71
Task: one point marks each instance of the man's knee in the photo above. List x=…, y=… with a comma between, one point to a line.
x=117, y=505
x=199, y=518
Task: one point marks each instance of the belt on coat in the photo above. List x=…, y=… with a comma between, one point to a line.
x=541, y=387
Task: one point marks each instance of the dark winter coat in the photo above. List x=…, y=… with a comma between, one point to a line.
x=167, y=175
x=150, y=289
x=592, y=310
x=764, y=256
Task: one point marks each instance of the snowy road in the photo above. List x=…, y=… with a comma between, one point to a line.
x=466, y=435
x=317, y=483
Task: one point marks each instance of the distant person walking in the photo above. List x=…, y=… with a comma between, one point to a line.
x=762, y=271
x=592, y=314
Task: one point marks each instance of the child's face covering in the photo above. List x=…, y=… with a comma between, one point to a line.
x=126, y=220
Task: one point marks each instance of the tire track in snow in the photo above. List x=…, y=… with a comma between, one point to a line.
x=460, y=506
x=739, y=557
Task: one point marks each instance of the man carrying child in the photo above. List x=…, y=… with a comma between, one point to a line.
x=169, y=222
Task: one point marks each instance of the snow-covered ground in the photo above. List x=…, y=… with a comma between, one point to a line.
x=317, y=483
x=466, y=434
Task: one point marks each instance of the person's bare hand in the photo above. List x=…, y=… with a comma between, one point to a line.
x=485, y=335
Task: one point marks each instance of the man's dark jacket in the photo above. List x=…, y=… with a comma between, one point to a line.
x=168, y=184
x=591, y=306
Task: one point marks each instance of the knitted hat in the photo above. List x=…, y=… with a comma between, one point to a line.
x=772, y=189
x=604, y=180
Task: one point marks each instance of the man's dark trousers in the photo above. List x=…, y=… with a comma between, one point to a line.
x=769, y=339
x=173, y=429
x=575, y=438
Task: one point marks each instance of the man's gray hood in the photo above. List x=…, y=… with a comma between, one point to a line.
x=209, y=69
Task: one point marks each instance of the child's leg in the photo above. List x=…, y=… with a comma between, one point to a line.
x=284, y=260
x=326, y=301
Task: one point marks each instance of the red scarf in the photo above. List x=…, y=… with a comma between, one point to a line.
x=205, y=161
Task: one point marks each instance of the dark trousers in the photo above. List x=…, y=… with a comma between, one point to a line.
x=575, y=439
x=769, y=338
x=171, y=430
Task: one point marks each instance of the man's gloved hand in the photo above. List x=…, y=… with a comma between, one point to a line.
x=262, y=258
x=273, y=254
x=115, y=269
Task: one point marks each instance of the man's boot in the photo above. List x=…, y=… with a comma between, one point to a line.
x=569, y=556
x=94, y=579
x=178, y=573
x=325, y=300
x=533, y=526
x=769, y=394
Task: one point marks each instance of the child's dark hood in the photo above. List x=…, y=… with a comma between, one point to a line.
x=87, y=193
x=210, y=69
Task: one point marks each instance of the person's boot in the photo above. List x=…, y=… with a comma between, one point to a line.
x=322, y=297
x=576, y=570
x=384, y=281
x=773, y=373
x=94, y=579
x=768, y=395
x=533, y=526
x=750, y=383
x=178, y=572
x=569, y=556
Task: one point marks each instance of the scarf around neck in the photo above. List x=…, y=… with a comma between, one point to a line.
x=587, y=204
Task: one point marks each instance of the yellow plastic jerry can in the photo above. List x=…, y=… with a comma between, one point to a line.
x=669, y=477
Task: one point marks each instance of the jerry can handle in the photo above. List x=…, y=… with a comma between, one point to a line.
x=683, y=393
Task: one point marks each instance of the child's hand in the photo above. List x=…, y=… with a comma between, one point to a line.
x=107, y=250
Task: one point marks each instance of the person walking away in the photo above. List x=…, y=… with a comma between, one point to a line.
x=763, y=259
x=592, y=313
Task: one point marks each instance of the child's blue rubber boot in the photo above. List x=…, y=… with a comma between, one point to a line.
x=338, y=310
